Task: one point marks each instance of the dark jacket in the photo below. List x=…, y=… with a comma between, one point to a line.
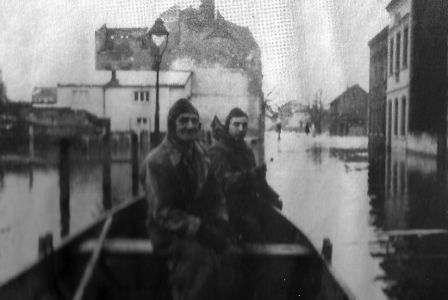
x=178, y=201
x=233, y=163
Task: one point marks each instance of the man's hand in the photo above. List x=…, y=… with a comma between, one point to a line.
x=278, y=203
x=213, y=238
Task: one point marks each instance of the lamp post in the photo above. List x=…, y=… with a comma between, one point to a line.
x=158, y=36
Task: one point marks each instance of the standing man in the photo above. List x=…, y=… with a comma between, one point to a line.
x=187, y=213
x=278, y=128
x=244, y=184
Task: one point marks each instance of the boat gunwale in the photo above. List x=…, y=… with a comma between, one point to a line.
x=332, y=272
x=122, y=207
x=72, y=238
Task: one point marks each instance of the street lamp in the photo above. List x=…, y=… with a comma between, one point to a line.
x=158, y=37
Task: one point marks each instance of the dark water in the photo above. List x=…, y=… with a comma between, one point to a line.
x=379, y=211
x=29, y=203
x=409, y=193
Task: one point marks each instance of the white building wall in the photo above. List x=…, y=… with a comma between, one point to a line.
x=423, y=143
x=118, y=103
x=123, y=109
x=398, y=80
x=88, y=98
x=215, y=91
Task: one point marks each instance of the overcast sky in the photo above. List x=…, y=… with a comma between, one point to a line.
x=45, y=42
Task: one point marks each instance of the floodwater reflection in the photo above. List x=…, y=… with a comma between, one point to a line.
x=30, y=207
x=409, y=210
x=386, y=215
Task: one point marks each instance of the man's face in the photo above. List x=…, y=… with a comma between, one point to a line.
x=238, y=127
x=187, y=127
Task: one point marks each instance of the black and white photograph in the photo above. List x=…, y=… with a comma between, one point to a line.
x=223, y=149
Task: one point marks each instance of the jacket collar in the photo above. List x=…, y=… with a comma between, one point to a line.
x=230, y=142
x=201, y=160
x=175, y=151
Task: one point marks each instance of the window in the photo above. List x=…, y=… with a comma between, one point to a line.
x=141, y=121
x=396, y=117
x=397, y=53
x=141, y=96
x=402, y=177
x=391, y=57
x=80, y=94
x=403, y=116
x=405, y=46
x=395, y=177
x=390, y=118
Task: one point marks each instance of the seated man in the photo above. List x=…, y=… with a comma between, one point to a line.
x=244, y=184
x=187, y=213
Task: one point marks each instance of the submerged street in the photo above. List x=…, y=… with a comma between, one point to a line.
x=382, y=218
x=357, y=91
x=381, y=214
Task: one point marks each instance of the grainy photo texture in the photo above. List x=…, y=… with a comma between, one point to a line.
x=223, y=149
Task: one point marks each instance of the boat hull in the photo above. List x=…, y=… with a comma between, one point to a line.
x=286, y=267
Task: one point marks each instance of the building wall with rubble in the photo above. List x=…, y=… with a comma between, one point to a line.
x=226, y=64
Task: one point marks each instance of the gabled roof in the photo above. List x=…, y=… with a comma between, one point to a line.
x=392, y=4
x=44, y=91
x=354, y=89
x=136, y=78
x=62, y=121
x=44, y=95
x=382, y=35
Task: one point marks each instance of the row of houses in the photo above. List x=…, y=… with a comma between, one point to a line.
x=408, y=73
x=129, y=99
x=348, y=112
x=347, y=115
x=227, y=73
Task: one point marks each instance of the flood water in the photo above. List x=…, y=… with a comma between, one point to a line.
x=29, y=205
x=369, y=206
x=378, y=211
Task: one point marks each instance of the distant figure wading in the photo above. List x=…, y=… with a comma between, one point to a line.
x=278, y=128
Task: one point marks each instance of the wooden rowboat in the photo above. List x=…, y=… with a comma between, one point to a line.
x=113, y=259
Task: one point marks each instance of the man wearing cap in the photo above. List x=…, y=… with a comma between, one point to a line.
x=187, y=216
x=244, y=184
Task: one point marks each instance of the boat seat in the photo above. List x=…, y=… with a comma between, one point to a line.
x=145, y=246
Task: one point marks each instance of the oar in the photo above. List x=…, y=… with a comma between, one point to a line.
x=93, y=260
